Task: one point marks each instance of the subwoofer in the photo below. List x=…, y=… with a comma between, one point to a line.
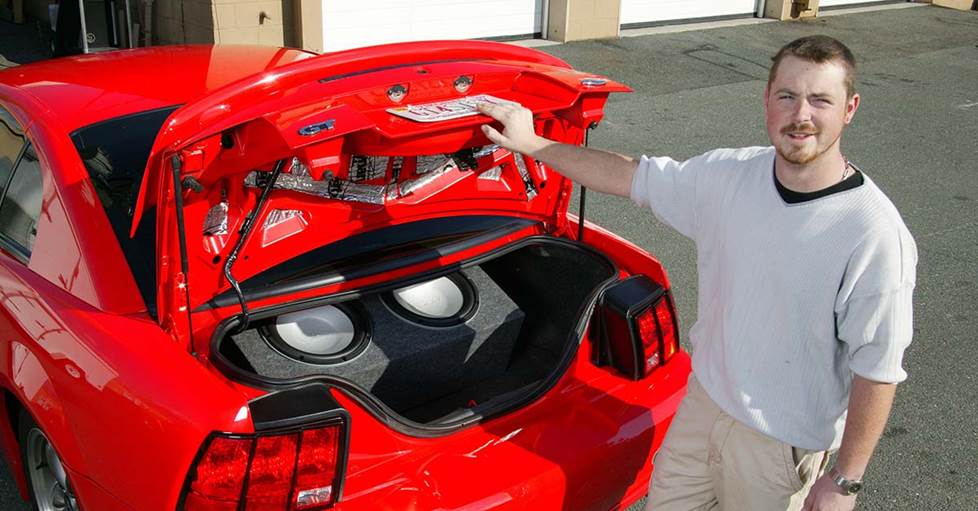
x=327, y=334
x=410, y=345
x=442, y=302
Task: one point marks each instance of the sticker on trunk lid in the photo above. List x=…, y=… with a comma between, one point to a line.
x=446, y=110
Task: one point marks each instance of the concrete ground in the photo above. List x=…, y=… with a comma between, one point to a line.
x=916, y=135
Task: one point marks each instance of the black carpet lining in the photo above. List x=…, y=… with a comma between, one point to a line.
x=528, y=306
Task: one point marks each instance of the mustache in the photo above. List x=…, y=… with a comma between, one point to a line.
x=805, y=127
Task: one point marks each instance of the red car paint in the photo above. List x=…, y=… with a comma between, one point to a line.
x=122, y=397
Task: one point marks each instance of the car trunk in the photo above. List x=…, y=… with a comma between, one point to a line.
x=524, y=317
x=279, y=193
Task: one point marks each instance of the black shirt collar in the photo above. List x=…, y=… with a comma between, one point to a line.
x=793, y=197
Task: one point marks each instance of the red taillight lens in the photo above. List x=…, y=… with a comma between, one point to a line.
x=638, y=327
x=649, y=332
x=220, y=476
x=270, y=475
x=267, y=472
x=667, y=323
x=317, y=469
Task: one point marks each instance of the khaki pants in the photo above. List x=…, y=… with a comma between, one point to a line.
x=709, y=461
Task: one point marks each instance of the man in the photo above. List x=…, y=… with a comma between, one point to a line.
x=806, y=272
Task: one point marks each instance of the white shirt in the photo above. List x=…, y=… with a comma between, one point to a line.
x=793, y=298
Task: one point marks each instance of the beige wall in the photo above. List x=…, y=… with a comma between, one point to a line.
x=251, y=21
x=309, y=25
x=963, y=5
x=573, y=20
x=183, y=21
x=267, y=22
x=791, y=9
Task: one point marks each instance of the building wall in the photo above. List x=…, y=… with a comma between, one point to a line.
x=300, y=23
x=252, y=21
x=572, y=20
x=266, y=22
x=183, y=21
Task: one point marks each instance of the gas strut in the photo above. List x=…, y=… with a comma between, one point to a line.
x=176, y=164
x=246, y=227
x=580, y=213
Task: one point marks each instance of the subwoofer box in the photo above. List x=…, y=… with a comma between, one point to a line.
x=405, y=363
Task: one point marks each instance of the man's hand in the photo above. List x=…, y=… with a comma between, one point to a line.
x=518, y=134
x=598, y=170
x=825, y=495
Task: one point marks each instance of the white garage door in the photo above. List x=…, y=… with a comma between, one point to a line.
x=650, y=11
x=830, y=3
x=353, y=23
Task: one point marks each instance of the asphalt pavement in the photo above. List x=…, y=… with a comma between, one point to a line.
x=915, y=134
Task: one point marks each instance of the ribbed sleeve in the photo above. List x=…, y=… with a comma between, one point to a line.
x=669, y=189
x=877, y=329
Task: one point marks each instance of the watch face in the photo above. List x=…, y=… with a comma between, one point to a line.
x=854, y=487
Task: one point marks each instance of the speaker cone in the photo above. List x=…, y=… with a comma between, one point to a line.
x=444, y=301
x=325, y=334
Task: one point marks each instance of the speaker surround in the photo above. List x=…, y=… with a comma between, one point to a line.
x=443, y=302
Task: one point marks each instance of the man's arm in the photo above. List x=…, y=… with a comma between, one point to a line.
x=869, y=408
x=598, y=170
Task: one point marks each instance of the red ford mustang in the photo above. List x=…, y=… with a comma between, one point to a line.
x=242, y=278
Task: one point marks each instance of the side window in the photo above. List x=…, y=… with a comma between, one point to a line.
x=11, y=144
x=21, y=206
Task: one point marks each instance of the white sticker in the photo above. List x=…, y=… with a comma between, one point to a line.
x=446, y=110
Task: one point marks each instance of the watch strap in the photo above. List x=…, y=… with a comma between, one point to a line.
x=848, y=486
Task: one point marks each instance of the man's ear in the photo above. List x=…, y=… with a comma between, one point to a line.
x=767, y=90
x=851, y=106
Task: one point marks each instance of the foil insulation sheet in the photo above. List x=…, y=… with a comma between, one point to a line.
x=410, y=186
x=216, y=221
x=328, y=188
x=531, y=189
x=368, y=168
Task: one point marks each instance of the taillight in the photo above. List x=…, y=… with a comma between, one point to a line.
x=296, y=470
x=638, y=326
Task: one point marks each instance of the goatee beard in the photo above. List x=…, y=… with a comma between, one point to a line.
x=800, y=157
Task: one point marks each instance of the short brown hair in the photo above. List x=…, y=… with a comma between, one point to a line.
x=819, y=49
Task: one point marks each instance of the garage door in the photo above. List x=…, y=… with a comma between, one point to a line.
x=830, y=3
x=650, y=11
x=353, y=23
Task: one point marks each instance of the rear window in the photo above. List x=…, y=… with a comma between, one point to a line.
x=115, y=153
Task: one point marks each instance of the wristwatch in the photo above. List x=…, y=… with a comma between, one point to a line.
x=848, y=486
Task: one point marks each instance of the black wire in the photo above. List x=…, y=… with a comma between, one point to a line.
x=245, y=230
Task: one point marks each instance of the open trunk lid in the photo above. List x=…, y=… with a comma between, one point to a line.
x=366, y=139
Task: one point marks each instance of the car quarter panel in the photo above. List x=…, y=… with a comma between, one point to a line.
x=124, y=405
x=75, y=248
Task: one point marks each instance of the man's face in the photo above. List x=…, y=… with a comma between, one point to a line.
x=806, y=109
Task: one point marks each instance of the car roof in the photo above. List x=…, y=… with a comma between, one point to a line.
x=85, y=89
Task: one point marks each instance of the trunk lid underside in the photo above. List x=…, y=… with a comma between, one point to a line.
x=348, y=164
